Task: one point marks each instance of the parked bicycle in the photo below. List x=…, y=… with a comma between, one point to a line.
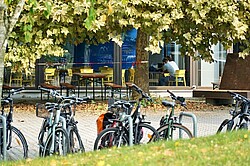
x=17, y=147
x=60, y=126
x=240, y=114
x=170, y=128
x=129, y=127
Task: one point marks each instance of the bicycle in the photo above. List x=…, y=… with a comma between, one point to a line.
x=240, y=115
x=122, y=133
x=68, y=113
x=170, y=128
x=17, y=147
x=65, y=123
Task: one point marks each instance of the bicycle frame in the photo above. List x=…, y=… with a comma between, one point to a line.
x=241, y=114
x=9, y=116
x=54, y=120
x=169, y=118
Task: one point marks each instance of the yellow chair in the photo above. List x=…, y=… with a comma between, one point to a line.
x=131, y=77
x=123, y=76
x=109, y=75
x=86, y=70
x=70, y=72
x=179, y=77
x=29, y=78
x=16, y=78
x=50, y=75
x=103, y=68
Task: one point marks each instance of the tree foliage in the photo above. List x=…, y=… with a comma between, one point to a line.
x=45, y=26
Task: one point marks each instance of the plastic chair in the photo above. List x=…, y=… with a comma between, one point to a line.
x=50, y=75
x=29, y=78
x=70, y=72
x=103, y=68
x=131, y=76
x=16, y=79
x=86, y=70
x=109, y=75
x=179, y=78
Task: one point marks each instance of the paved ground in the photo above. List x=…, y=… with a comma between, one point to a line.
x=207, y=124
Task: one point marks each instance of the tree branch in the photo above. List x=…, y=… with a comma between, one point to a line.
x=14, y=17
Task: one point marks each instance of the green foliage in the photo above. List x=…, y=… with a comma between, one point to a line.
x=45, y=26
x=223, y=149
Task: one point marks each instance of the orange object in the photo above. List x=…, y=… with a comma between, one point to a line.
x=99, y=123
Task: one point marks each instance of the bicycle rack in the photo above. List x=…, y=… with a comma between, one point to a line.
x=189, y=114
x=3, y=127
x=130, y=121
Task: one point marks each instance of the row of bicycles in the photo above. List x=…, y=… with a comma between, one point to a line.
x=122, y=125
x=58, y=134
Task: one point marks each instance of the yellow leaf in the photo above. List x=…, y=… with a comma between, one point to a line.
x=177, y=143
x=100, y=163
x=49, y=33
x=53, y=163
x=140, y=153
x=18, y=141
x=110, y=9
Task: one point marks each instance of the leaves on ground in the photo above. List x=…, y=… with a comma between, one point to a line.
x=102, y=106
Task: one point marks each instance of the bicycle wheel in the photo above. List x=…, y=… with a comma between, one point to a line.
x=174, y=132
x=225, y=126
x=43, y=134
x=146, y=134
x=61, y=143
x=75, y=141
x=243, y=126
x=111, y=137
x=17, y=147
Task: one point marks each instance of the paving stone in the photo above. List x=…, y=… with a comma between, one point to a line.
x=207, y=123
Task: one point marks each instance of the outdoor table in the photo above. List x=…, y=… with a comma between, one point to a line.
x=88, y=76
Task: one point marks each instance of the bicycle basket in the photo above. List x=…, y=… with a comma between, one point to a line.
x=41, y=111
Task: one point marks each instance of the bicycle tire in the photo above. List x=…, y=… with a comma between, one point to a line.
x=178, y=132
x=146, y=134
x=17, y=147
x=75, y=141
x=42, y=136
x=225, y=126
x=61, y=138
x=110, y=137
x=243, y=126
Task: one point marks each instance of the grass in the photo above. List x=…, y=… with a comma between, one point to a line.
x=223, y=149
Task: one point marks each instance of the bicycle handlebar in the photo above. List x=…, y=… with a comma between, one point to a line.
x=172, y=95
x=54, y=93
x=237, y=96
x=177, y=98
x=15, y=91
x=141, y=92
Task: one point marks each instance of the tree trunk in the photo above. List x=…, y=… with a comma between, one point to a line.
x=6, y=26
x=2, y=44
x=142, y=66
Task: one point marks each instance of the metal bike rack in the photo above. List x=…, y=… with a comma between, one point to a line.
x=3, y=118
x=130, y=121
x=189, y=114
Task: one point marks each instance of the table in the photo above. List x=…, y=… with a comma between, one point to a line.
x=86, y=77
